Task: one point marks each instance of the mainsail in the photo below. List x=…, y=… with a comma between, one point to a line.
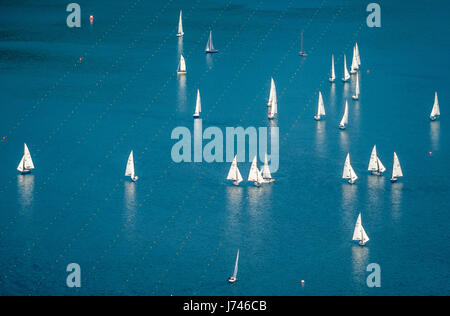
x=234, y=174
x=253, y=175
x=397, y=169
x=360, y=234
x=344, y=120
x=182, y=65
x=180, y=25
x=266, y=170
x=27, y=162
x=129, y=172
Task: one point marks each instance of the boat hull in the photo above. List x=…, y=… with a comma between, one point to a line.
x=394, y=180
x=331, y=80
x=180, y=34
x=342, y=127
x=196, y=116
x=25, y=172
x=433, y=118
x=232, y=280
x=303, y=54
x=211, y=51
x=355, y=98
x=317, y=118
x=181, y=72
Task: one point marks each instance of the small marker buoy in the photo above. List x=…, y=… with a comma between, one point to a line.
x=303, y=282
x=368, y=71
x=91, y=18
x=430, y=153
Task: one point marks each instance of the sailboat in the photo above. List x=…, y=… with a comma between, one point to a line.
x=198, y=105
x=332, y=79
x=233, y=278
x=436, y=112
x=346, y=73
x=266, y=171
x=302, y=52
x=375, y=165
x=359, y=233
x=358, y=57
x=234, y=174
x=397, y=169
x=210, y=46
x=180, y=25
x=182, y=66
x=348, y=172
x=344, y=121
x=26, y=164
x=357, y=89
x=255, y=174
x=273, y=101
x=320, y=108
x=354, y=67
x=129, y=172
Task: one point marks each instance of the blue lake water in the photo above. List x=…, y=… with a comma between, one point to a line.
x=176, y=231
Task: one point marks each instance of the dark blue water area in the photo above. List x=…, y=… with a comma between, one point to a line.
x=177, y=230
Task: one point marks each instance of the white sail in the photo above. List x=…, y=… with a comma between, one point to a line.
x=397, y=169
x=436, y=111
x=21, y=165
x=349, y=172
x=375, y=164
x=236, y=265
x=129, y=172
x=381, y=167
x=346, y=174
x=344, y=120
x=254, y=172
x=210, y=45
x=353, y=175
x=354, y=67
x=261, y=179
x=358, y=57
x=346, y=73
x=180, y=25
x=28, y=162
x=198, y=105
x=273, y=100
x=320, y=106
x=357, y=89
x=359, y=233
x=182, y=65
x=333, y=71
x=266, y=169
x=234, y=174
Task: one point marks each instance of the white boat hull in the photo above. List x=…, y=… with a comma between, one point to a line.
x=232, y=280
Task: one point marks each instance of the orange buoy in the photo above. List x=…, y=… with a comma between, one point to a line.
x=91, y=18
